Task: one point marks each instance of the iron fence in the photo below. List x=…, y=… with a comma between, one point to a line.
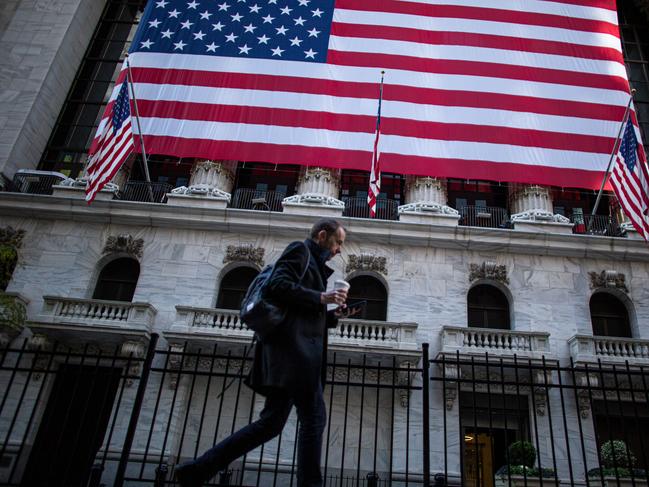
x=386, y=209
x=125, y=415
x=484, y=216
x=34, y=182
x=154, y=192
x=605, y=225
x=252, y=199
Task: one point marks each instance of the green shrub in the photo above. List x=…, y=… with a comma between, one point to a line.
x=522, y=453
x=615, y=453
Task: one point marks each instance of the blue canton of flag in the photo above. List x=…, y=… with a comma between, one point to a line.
x=296, y=30
x=629, y=145
x=122, y=108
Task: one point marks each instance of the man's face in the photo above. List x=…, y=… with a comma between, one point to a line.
x=334, y=242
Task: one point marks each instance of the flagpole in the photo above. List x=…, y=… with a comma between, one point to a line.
x=375, y=155
x=139, y=128
x=610, y=161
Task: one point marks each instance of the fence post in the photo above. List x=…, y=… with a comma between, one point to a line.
x=426, y=405
x=135, y=414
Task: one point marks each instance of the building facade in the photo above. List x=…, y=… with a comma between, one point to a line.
x=496, y=312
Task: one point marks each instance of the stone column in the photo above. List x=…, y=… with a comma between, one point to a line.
x=426, y=200
x=317, y=193
x=531, y=209
x=210, y=185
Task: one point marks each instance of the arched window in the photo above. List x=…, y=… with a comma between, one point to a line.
x=234, y=286
x=117, y=280
x=371, y=290
x=609, y=316
x=488, y=308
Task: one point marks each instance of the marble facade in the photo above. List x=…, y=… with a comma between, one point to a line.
x=428, y=271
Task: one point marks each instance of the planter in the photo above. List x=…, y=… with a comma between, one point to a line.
x=521, y=481
x=613, y=482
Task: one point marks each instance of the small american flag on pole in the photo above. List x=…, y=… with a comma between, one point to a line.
x=630, y=180
x=113, y=146
x=375, y=170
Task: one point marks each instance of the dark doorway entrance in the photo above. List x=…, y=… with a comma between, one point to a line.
x=73, y=426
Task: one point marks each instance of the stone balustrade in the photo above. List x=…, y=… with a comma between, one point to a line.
x=225, y=323
x=610, y=350
x=374, y=334
x=495, y=342
x=209, y=322
x=96, y=314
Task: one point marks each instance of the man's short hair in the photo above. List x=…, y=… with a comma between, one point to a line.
x=329, y=225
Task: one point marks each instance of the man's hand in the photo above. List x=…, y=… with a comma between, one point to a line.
x=335, y=296
x=344, y=312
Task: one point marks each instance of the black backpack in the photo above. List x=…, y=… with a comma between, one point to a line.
x=259, y=313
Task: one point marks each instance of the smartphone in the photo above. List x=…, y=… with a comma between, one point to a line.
x=355, y=308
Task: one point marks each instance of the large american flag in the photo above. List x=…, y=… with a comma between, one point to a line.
x=114, y=144
x=512, y=90
x=630, y=180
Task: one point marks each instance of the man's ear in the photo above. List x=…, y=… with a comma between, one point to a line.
x=322, y=235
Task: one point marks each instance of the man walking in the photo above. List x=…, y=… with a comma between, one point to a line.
x=289, y=366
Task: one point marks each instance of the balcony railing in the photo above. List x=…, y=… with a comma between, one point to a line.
x=483, y=216
x=357, y=207
x=34, y=182
x=225, y=323
x=253, y=199
x=604, y=225
x=495, y=342
x=374, y=334
x=609, y=350
x=146, y=192
x=121, y=316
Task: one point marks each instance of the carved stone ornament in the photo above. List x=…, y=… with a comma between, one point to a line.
x=133, y=351
x=366, y=262
x=612, y=279
x=124, y=243
x=488, y=270
x=245, y=253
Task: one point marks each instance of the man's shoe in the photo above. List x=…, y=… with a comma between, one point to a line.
x=187, y=475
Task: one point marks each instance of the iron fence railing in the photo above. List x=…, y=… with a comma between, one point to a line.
x=253, y=199
x=484, y=216
x=35, y=182
x=356, y=207
x=605, y=225
x=154, y=192
x=85, y=415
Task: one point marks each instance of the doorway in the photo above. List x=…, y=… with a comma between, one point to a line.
x=73, y=426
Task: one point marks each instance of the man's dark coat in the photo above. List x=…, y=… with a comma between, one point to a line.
x=294, y=356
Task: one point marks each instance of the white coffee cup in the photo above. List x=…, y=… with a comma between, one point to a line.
x=340, y=284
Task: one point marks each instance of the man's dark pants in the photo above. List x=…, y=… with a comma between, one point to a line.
x=312, y=417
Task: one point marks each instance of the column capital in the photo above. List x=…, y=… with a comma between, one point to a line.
x=317, y=191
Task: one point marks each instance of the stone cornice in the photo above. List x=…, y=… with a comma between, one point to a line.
x=367, y=231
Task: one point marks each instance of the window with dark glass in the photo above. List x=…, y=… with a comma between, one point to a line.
x=373, y=292
x=234, y=286
x=488, y=307
x=609, y=316
x=68, y=145
x=263, y=186
x=117, y=280
x=635, y=47
x=462, y=193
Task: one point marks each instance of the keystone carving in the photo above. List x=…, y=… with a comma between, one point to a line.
x=612, y=279
x=488, y=270
x=365, y=262
x=124, y=243
x=244, y=253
